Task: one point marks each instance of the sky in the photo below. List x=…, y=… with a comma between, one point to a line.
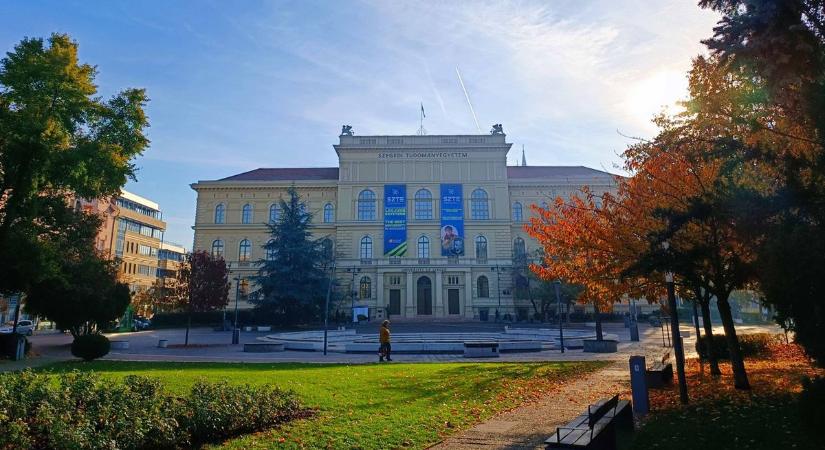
x=239, y=85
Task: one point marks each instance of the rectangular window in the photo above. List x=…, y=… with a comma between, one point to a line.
x=147, y=251
x=452, y=279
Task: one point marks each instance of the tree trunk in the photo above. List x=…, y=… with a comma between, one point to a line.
x=714, y=363
x=188, y=325
x=598, y=315
x=740, y=376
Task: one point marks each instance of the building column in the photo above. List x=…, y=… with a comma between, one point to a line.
x=468, y=297
x=438, y=298
x=379, y=292
x=409, y=306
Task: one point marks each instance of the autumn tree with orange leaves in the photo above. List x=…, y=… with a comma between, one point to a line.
x=678, y=192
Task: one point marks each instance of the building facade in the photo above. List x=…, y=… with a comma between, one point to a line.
x=132, y=231
x=422, y=226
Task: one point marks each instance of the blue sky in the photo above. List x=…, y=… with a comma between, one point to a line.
x=240, y=85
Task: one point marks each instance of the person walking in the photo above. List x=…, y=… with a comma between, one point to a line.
x=384, y=339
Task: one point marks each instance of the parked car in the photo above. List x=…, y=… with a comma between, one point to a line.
x=140, y=323
x=23, y=327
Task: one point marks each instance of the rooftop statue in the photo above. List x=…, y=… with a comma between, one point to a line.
x=346, y=130
x=497, y=129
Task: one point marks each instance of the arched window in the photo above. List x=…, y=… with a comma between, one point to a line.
x=244, y=250
x=481, y=247
x=483, y=287
x=274, y=212
x=246, y=213
x=220, y=213
x=518, y=212
x=518, y=247
x=366, y=247
x=423, y=247
x=329, y=213
x=365, y=288
x=217, y=248
x=479, y=205
x=270, y=250
x=423, y=205
x=366, y=205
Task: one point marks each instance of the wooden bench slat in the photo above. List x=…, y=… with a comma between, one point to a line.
x=593, y=426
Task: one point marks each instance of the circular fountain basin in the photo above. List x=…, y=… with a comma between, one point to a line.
x=511, y=340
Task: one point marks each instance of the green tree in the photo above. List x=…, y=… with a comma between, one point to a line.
x=57, y=137
x=292, y=279
x=82, y=294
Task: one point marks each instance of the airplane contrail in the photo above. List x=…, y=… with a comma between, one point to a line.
x=467, y=96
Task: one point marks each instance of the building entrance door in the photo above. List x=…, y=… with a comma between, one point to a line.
x=453, y=306
x=424, y=296
x=395, y=302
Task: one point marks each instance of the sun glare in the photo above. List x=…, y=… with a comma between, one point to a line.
x=649, y=96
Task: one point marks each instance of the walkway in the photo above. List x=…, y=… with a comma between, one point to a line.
x=527, y=427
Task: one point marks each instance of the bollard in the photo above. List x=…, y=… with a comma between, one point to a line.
x=638, y=384
x=634, y=332
x=163, y=343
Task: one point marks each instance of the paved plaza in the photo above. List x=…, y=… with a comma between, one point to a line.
x=207, y=345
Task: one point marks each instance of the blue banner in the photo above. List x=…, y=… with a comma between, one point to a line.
x=452, y=220
x=395, y=220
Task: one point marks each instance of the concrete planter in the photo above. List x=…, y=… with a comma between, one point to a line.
x=603, y=346
x=247, y=328
x=264, y=328
x=119, y=345
x=163, y=343
x=263, y=347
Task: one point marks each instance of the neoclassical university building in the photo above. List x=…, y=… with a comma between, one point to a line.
x=423, y=226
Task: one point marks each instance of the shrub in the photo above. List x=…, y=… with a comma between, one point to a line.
x=810, y=402
x=217, y=411
x=83, y=411
x=756, y=344
x=90, y=346
x=8, y=344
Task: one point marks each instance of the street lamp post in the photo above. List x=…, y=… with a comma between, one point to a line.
x=326, y=306
x=678, y=349
x=235, y=331
x=353, y=291
x=557, y=288
x=497, y=270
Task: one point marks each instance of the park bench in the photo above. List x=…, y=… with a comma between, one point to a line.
x=481, y=349
x=660, y=373
x=595, y=429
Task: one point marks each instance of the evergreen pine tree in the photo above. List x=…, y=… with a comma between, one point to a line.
x=292, y=279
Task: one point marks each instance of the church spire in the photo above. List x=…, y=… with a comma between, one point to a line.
x=523, y=158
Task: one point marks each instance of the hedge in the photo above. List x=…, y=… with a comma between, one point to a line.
x=811, y=400
x=751, y=345
x=83, y=411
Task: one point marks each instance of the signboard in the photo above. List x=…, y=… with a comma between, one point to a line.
x=452, y=220
x=395, y=220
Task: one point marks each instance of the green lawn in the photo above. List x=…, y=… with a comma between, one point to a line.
x=768, y=422
x=368, y=406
